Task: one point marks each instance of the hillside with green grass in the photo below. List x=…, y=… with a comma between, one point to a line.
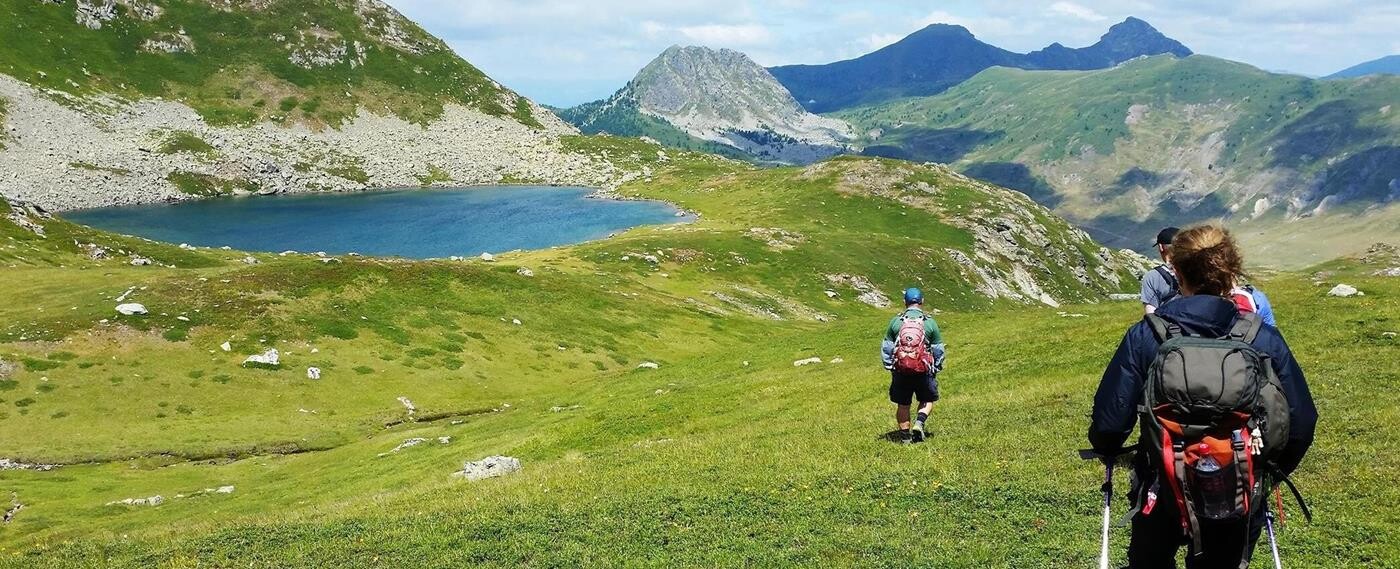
x=726, y=453
x=1298, y=164
x=310, y=61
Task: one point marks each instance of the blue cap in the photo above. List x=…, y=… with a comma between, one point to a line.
x=913, y=296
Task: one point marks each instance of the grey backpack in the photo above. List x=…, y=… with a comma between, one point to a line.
x=1214, y=416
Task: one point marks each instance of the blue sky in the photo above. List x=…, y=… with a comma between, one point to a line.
x=566, y=52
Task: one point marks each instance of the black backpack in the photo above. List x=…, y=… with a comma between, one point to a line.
x=1214, y=417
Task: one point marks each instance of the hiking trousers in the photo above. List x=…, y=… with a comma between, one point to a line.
x=1157, y=537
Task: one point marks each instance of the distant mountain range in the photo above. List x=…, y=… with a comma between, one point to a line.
x=1307, y=168
x=1388, y=65
x=717, y=100
x=940, y=56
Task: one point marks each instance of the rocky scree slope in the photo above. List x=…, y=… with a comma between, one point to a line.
x=1302, y=166
x=112, y=102
x=719, y=96
x=940, y=56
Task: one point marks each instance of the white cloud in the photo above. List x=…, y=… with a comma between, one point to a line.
x=877, y=41
x=723, y=35
x=1076, y=11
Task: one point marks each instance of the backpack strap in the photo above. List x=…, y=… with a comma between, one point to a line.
x=1171, y=281
x=1164, y=329
x=1307, y=512
x=1246, y=327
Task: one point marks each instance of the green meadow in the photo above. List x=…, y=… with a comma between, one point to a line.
x=725, y=454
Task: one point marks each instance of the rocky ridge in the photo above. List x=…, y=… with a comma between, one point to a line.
x=62, y=152
x=724, y=97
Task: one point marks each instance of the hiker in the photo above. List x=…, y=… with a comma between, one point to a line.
x=1177, y=493
x=1248, y=298
x=914, y=353
x=1159, y=285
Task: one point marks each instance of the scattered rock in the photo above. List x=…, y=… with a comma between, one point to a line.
x=313, y=373
x=139, y=261
x=9, y=464
x=6, y=369
x=250, y=260
x=831, y=294
x=408, y=405
x=444, y=440
x=152, y=501
x=1123, y=297
x=869, y=294
x=14, y=508
x=490, y=467
x=409, y=443
x=1387, y=334
x=227, y=347
x=1344, y=291
x=515, y=321
x=131, y=309
x=270, y=358
x=800, y=363
x=183, y=318
x=1391, y=272
x=525, y=272
x=649, y=365
x=838, y=360
x=488, y=257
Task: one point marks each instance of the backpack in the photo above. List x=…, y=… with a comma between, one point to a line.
x=1175, y=290
x=911, y=353
x=1214, y=417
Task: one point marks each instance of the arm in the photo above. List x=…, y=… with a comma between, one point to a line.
x=1151, y=294
x=937, y=348
x=1117, y=398
x=1302, y=415
x=887, y=346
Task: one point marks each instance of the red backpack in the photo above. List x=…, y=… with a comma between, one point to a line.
x=910, y=350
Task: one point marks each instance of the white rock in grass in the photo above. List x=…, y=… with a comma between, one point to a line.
x=490, y=467
x=488, y=257
x=649, y=365
x=268, y=358
x=227, y=347
x=152, y=501
x=408, y=405
x=515, y=321
x=1344, y=291
x=409, y=443
x=1391, y=272
x=838, y=360
x=139, y=261
x=525, y=272
x=800, y=363
x=131, y=309
x=313, y=373
x=224, y=490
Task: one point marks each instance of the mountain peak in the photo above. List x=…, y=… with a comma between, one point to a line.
x=944, y=30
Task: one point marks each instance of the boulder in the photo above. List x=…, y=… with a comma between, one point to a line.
x=250, y=260
x=525, y=272
x=490, y=467
x=313, y=373
x=1391, y=272
x=131, y=309
x=488, y=257
x=139, y=261
x=808, y=361
x=270, y=358
x=227, y=347
x=649, y=365
x=1344, y=291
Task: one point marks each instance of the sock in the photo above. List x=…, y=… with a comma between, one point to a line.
x=922, y=417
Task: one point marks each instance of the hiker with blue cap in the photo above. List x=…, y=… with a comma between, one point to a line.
x=914, y=353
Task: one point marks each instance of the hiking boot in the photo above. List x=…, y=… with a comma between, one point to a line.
x=917, y=432
x=904, y=437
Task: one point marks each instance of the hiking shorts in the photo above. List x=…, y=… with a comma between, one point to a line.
x=905, y=387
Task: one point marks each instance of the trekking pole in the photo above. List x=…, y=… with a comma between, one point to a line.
x=1273, y=541
x=1108, y=462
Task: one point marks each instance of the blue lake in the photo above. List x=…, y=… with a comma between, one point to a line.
x=417, y=223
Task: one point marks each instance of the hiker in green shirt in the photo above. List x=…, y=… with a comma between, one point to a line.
x=914, y=353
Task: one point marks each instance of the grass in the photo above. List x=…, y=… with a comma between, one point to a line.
x=725, y=455
x=208, y=185
x=185, y=141
x=243, y=59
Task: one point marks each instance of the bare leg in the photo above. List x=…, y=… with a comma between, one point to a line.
x=924, y=407
x=901, y=416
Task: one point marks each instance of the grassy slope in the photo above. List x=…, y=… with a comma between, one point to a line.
x=706, y=461
x=1069, y=128
x=239, y=72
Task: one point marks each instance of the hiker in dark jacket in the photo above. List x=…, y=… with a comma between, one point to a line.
x=1207, y=262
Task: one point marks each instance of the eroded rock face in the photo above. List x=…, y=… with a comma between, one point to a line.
x=45, y=139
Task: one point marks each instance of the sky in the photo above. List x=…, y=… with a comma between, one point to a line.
x=566, y=52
